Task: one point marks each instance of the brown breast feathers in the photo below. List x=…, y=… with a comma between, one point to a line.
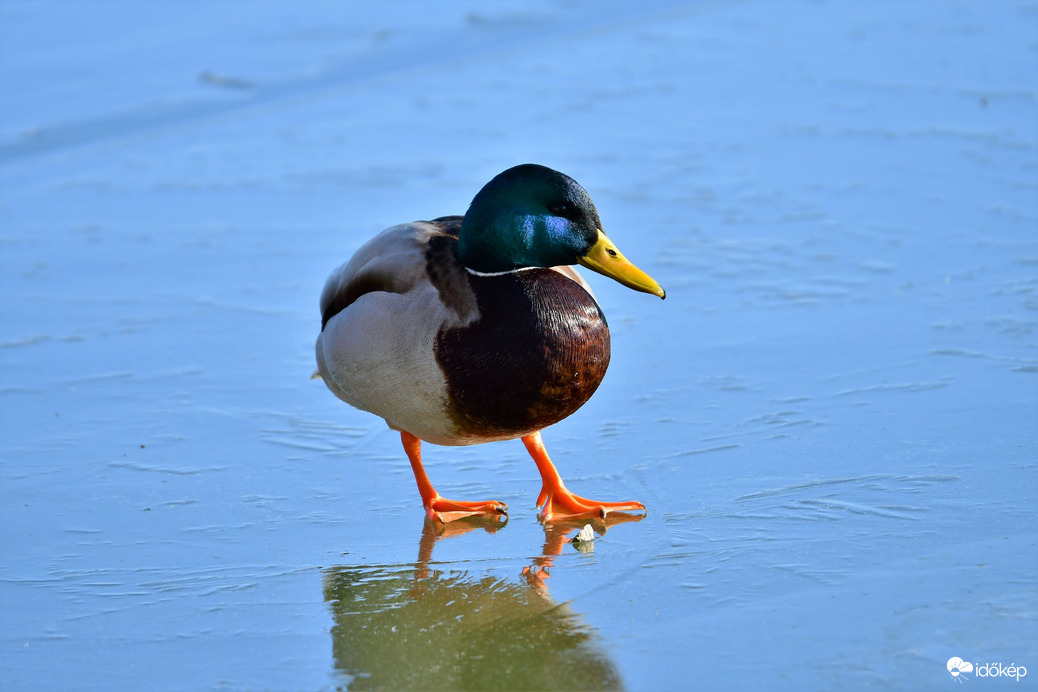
x=536, y=353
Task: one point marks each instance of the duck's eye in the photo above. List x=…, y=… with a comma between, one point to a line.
x=560, y=209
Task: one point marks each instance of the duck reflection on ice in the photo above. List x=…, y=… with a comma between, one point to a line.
x=421, y=627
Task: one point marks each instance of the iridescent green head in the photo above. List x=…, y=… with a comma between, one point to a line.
x=533, y=216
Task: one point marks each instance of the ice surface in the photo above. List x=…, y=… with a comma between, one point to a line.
x=833, y=418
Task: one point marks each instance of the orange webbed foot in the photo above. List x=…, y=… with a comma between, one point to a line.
x=438, y=508
x=444, y=510
x=557, y=503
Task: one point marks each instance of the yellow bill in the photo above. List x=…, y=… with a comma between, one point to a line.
x=604, y=258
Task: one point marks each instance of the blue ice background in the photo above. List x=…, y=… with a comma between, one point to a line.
x=832, y=418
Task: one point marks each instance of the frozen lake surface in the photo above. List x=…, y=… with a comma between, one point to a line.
x=833, y=418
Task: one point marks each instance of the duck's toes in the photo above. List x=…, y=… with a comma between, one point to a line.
x=444, y=510
x=562, y=505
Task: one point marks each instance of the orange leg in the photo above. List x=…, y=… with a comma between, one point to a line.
x=558, y=503
x=436, y=507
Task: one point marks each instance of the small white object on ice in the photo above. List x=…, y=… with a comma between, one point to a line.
x=586, y=535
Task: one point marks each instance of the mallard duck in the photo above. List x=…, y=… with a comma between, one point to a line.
x=475, y=328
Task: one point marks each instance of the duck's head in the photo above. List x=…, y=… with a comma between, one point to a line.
x=533, y=216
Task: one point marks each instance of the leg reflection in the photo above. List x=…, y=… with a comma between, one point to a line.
x=432, y=531
x=442, y=625
x=561, y=532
